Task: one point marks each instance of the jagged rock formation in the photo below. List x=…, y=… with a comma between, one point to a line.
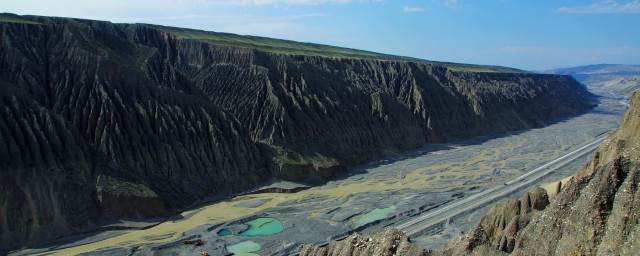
x=596, y=213
x=385, y=243
x=99, y=117
x=497, y=230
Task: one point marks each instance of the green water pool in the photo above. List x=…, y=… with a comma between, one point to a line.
x=375, y=214
x=224, y=232
x=246, y=248
x=263, y=227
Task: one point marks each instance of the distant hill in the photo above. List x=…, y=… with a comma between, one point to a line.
x=622, y=78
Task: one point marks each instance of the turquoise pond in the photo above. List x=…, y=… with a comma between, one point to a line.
x=375, y=214
x=246, y=248
x=224, y=232
x=263, y=227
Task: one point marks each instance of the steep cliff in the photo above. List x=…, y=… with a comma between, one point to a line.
x=85, y=133
x=315, y=114
x=133, y=120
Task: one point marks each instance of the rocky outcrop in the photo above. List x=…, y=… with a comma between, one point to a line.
x=122, y=198
x=596, y=213
x=497, y=230
x=385, y=243
x=105, y=120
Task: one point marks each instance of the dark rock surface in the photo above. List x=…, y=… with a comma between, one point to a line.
x=73, y=109
x=123, y=198
x=169, y=121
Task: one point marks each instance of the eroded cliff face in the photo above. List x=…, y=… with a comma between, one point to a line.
x=79, y=115
x=596, y=213
x=315, y=114
x=98, y=118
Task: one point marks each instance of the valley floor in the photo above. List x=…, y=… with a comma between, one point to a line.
x=381, y=193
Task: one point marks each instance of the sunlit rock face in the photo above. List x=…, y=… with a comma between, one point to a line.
x=595, y=213
x=388, y=242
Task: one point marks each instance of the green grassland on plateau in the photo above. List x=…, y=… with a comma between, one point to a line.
x=8, y=17
x=287, y=47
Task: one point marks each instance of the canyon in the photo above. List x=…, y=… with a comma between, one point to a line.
x=103, y=122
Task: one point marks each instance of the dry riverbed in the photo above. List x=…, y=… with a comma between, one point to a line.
x=378, y=194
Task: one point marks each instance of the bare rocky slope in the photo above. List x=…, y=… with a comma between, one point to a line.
x=388, y=242
x=596, y=213
x=103, y=121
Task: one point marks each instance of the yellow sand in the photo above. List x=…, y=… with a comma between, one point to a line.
x=228, y=210
x=551, y=187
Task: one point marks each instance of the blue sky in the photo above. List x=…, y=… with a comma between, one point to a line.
x=527, y=34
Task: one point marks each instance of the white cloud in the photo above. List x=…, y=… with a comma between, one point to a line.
x=211, y=15
x=412, y=9
x=73, y=8
x=283, y=2
x=453, y=4
x=85, y=9
x=607, y=6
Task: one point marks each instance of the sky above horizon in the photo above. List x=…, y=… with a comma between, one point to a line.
x=526, y=34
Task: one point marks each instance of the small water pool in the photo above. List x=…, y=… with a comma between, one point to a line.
x=224, y=232
x=375, y=214
x=263, y=227
x=246, y=248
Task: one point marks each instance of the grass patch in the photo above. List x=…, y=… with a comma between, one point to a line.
x=275, y=45
x=12, y=18
x=480, y=68
x=280, y=46
x=470, y=68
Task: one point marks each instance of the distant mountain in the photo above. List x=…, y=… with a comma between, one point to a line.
x=622, y=78
x=598, y=69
